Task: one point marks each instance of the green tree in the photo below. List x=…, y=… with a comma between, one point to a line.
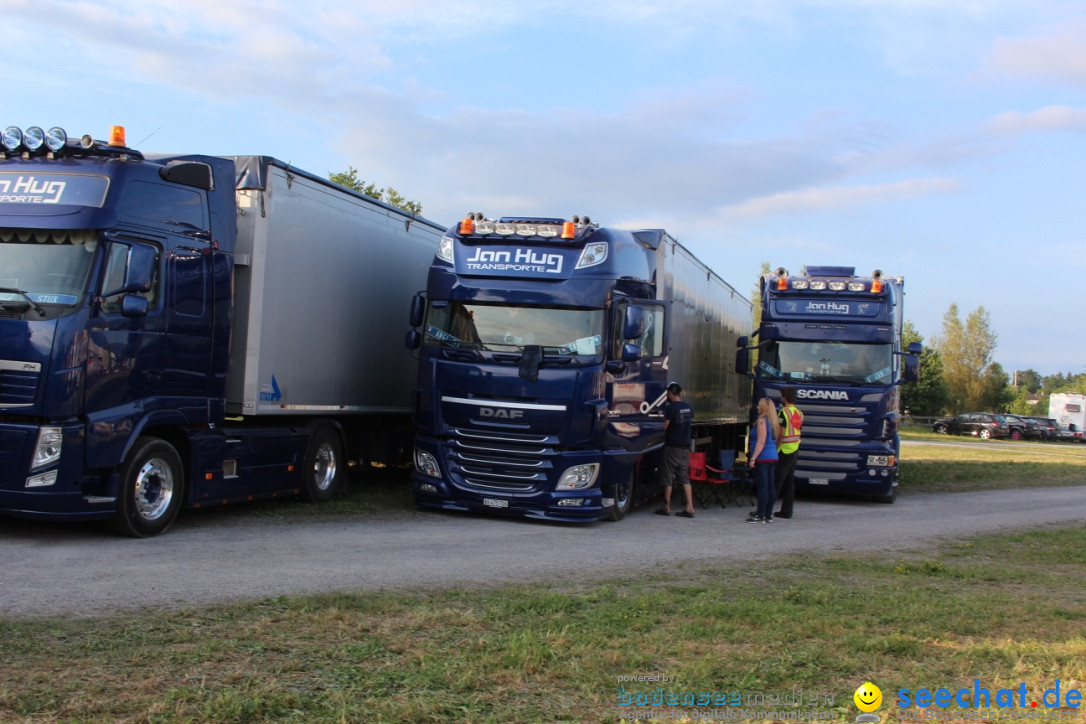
x=349, y=178
x=966, y=351
x=928, y=396
x=1030, y=380
x=994, y=391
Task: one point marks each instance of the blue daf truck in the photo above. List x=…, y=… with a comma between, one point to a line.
x=836, y=338
x=192, y=330
x=544, y=348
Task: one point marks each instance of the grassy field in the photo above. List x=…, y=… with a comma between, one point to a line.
x=739, y=639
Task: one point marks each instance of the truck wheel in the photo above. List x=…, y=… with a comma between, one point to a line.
x=151, y=489
x=623, y=500
x=322, y=470
x=888, y=499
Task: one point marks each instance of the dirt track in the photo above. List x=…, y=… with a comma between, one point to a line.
x=80, y=570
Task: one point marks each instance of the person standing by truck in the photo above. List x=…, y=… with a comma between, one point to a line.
x=763, y=457
x=790, y=419
x=678, y=418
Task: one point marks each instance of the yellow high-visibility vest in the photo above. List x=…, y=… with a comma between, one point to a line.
x=791, y=423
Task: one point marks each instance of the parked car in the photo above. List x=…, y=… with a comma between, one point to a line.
x=1023, y=428
x=1070, y=433
x=1049, y=428
x=984, y=425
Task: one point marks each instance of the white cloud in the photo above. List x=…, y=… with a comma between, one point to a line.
x=1043, y=120
x=835, y=197
x=1058, y=55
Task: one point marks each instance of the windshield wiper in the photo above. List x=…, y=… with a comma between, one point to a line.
x=30, y=302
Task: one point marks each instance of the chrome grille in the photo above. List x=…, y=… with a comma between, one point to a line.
x=831, y=426
x=17, y=388
x=490, y=460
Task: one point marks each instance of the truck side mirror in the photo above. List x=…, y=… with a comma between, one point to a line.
x=141, y=268
x=133, y=305
x=914, y=348
x=911, y=370
x=188, y=173
x=742, y=361
x=412, y=340
x=631, y=352
x=633, y=325
x=418, y=308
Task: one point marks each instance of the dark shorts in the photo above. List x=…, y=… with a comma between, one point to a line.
x=676, y=466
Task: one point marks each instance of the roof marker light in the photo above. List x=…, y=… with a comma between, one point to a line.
x=876, y=286
x=837, y=286
x=782, y=284
x=569, y=229
x=116, y=136
x=818, y=285
x=855, y=286
x=799, y=284
x=467, y=226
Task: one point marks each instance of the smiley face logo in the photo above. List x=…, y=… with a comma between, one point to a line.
x=868, y=697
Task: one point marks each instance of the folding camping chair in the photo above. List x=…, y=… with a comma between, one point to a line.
x=728, y=482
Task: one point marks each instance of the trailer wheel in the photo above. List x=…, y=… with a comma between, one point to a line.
x=322, y=470
x=624, y=493
x=151, y=489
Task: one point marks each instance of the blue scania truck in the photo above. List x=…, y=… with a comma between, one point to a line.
x=836, y=338
x=545, y=346
x=192, y=330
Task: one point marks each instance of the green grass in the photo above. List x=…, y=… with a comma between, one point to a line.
x=930, y=465
x=1004, y=609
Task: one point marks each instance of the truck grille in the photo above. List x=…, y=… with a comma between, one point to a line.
x=489, y=460
x=837, y=428
x=17, y=388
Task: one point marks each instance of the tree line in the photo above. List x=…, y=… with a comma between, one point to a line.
x=958, y=373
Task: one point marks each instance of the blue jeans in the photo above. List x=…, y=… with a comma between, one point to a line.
x=764, y=476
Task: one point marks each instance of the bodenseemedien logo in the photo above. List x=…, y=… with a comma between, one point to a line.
x=868, y=698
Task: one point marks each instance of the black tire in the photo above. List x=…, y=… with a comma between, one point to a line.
x=624, y=493
x=152, y=487
x=941, y=429
x=324, y=466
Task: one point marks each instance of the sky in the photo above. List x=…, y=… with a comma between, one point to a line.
x=939, y=140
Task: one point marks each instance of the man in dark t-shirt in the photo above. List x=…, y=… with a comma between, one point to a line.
x=678, y=419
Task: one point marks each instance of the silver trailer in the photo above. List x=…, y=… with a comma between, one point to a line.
x=323, y=280
x=708, y=316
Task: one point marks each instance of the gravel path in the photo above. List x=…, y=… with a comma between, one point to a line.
x=80, y=570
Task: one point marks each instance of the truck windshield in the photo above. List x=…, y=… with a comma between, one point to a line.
x=822, y=361
x=49, y=267
x=558, y=330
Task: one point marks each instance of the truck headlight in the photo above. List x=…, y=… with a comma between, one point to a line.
x=579, y=477
x=880, y=461
x=426, y=464
x=47, y=449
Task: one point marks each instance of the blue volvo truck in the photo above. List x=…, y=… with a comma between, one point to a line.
x=192, y=330
x=836, y=338
x=545, y=346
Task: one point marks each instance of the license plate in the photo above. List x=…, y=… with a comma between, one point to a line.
x=818, y=481
x=496, y=502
